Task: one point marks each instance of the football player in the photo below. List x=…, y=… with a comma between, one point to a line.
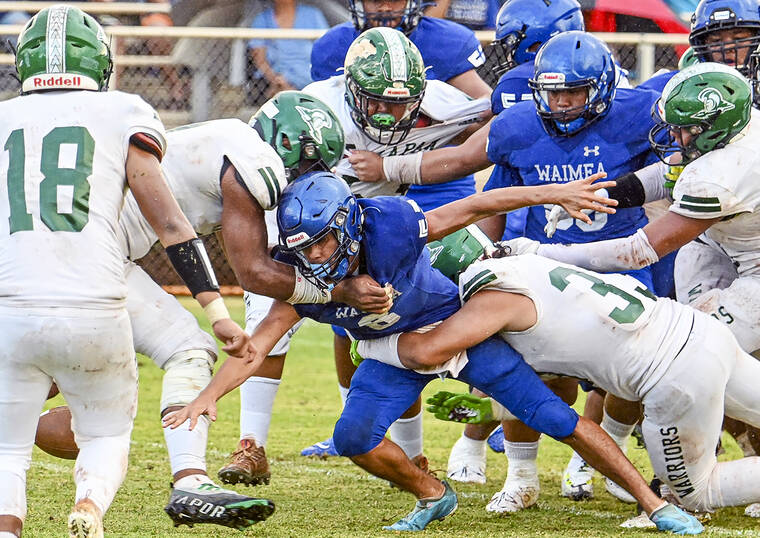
x=330, y=234
x=385, y=104
x=62, y=284
x=578, y=124
x=225, y=175
x=685, y=367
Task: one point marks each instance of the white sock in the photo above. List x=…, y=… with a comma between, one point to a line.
x=343, y=394
x=256, y=402
x=97, y=478
x=522, y=461
x=576, y=462
x=13, y=492
x=4, y=534
x=407, y=433
x=618, y=431
x=472, y=446
x=192, y=481
x=187, y=449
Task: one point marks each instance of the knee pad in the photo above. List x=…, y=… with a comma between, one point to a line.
x=354, y=436
x=186, y=374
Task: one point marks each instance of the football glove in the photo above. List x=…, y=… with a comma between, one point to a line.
x=518, y=245
x=458, y=407
x=672, y=175
x=354, y=352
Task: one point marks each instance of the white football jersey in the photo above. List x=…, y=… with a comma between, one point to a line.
x=450, y=111
x=62, y=188
x=726, y=183
x=606, y=328
x=193, y=166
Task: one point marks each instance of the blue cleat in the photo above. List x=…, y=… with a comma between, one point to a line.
x=323, y=450
x=427, y=510
x=673, y=519
x=496, y=439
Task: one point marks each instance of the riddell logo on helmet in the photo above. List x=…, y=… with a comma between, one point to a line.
x=396, y=92
x=295, y=240
x=59, y=81
x=551, y=77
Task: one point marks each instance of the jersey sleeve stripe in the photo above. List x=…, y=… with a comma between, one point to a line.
x=272, y=186
x=477, y=283
x=700, y=208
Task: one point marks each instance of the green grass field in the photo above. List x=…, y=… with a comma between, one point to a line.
x=331, y=497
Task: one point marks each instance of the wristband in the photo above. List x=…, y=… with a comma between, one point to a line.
x=404, y=169
x=216, y=310
x=305, y=292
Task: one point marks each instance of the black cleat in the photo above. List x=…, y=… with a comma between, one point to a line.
x=208, y=503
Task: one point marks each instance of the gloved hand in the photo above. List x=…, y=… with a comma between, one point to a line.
x=671, y=518
x=460, y=407
x=518, y=245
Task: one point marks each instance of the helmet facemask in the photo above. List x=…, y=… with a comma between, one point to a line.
x=405, y=20
x=382, y=127
x=569, y=121
x=504, y=51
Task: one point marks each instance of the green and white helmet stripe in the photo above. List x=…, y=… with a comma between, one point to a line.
x=63, y=48
x=393, y=40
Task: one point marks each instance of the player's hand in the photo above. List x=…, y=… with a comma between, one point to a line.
x=673, y=519
x=234, y=338
x=367, y=165
x=363, y=292
x=460, y=407
x=202, y=405
x=517, y=246
x=575, y=196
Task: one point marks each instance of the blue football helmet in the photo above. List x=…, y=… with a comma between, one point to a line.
x=567, y=61
x=523, y=24
x=312, y=206
x=715, y=15
x=409, y=16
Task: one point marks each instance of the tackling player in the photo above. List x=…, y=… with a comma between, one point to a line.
x=385, y=104
x=62, y=285
x=330, y=235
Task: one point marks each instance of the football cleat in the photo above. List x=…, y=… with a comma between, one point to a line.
x=248, y=465
x=324, y=449
x=85, y=521
x=577, y=481
x=496, y=440
x=516, y=495
x=208, y=503
x=427, y=510
x=467, y=464
x=753, y=510
x=618, y=492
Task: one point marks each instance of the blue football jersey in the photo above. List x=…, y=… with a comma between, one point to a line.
x=657, y=82
x=512, y=88
x=618, y=143
x=393, y=244
x=448, y=49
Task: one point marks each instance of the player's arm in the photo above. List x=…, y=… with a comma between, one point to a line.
x=185, y=250
x=572, y=196
x=235, y=371
x=470, y=83
x=422, y=168
x=645, y=247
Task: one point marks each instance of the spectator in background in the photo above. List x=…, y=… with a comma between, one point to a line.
x=284, y=63
x=474, y=14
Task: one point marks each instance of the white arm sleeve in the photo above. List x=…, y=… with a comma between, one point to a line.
x=613, y=255
x=652, y=179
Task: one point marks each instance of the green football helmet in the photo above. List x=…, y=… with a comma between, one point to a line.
x=63, y=48
x=457, y=251
x=712, y=100
x=383, y=68
x=687, y=58
x=304, y=131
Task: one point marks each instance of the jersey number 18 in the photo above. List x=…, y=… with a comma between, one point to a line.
x=65, y=165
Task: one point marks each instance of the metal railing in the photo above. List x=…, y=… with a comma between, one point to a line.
x=196, y=73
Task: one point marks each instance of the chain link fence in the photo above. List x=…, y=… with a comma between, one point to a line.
x=192, y=74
